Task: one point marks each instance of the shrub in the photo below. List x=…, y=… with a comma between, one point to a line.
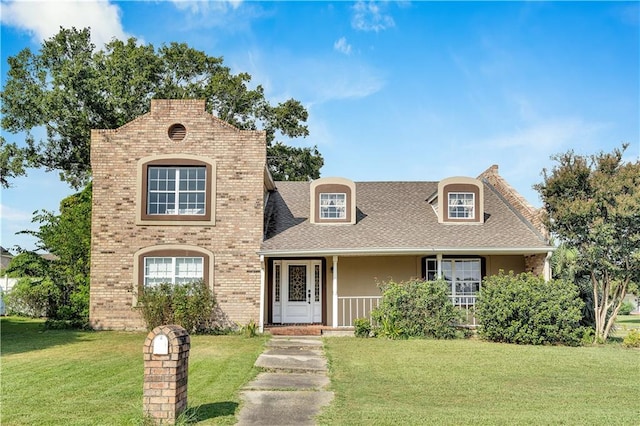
x=362, y=327
x=626, y=308
x=189, y=305
x=416, y=309
x=33, y=297
x=632, y=340
x=526, y=309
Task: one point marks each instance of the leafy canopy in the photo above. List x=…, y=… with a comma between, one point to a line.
x=593, y=206
x=59, y=284
x=68, y=88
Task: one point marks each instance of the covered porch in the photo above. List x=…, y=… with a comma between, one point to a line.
x=331, y=290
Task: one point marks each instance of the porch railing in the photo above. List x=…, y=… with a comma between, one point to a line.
x=466, y=304
x=352, y=307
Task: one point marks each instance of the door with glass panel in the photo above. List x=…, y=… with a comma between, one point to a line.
x=297, y=292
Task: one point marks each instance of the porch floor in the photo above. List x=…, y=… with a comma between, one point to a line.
x=306, y=330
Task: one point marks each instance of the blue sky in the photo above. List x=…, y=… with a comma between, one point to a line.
x=395, y=90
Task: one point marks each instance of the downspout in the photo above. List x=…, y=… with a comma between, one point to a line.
x=262, y=281
x=546, y=272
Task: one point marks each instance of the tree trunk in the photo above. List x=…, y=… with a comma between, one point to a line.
x=597, y=309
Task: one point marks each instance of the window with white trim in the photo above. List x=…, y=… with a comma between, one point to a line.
x=333, y=205
x=176, y=190
x=172, y=270
x=463, y=275
x=461, y=205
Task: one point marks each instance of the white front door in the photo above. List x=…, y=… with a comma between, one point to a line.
x=298, y=292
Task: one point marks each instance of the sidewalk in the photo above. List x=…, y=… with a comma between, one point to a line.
x=291, y=389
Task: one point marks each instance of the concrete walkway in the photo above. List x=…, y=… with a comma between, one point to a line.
x=291, y=389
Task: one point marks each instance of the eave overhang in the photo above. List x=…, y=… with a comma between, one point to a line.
x=408, y=251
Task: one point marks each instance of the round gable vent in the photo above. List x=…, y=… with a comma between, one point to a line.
x=177, y=132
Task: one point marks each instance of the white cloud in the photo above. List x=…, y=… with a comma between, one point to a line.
x=311, y=80
x=10, y=214
x=203, y=7
x=551, y=134
x=342, y=46
x=43, y=19
x=370, y=16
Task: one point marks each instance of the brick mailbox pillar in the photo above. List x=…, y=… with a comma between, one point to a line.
x=166, y=366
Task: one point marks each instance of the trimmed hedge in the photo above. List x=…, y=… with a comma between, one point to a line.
x=526, y=309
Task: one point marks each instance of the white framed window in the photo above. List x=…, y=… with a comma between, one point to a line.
x=461, y=205
x=172, y=270
x=333, y=206
x=176, y=190
x=463, y=275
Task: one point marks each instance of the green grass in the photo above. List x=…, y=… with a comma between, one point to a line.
x=70, y=377
x=624, y=323
x=467, y=382
x=95, y=378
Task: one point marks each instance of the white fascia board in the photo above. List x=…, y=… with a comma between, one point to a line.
x=407, y=251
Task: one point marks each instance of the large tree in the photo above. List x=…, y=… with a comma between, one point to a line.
x=68, y=88
x=593, y=206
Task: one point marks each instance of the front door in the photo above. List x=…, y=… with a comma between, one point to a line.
x=297, y=292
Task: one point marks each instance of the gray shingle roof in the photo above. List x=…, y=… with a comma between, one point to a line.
x=393, y=217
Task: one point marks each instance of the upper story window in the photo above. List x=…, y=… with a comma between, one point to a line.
x=333, y=206
x=332, y=201
x=176, y=190
x=172, y=190
x=461, y=205
x=459, y=200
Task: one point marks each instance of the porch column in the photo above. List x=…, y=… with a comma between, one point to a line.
x=334, y=320
x=439, y=265
x=262, y=281
x=546, y=271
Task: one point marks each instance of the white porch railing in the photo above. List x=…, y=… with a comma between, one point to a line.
x=352, y=307
x=467, y=305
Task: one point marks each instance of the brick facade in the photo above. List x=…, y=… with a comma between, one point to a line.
x=117, y=235
x=533, y=215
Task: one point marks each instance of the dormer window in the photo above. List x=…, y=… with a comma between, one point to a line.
x=461, y=205
x=333, y=201
x=333, y=206
x=459, y=200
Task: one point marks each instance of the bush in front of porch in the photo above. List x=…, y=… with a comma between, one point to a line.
x=416, y=308
x=526, y=309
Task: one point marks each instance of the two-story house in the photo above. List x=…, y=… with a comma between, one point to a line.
x=180, y=195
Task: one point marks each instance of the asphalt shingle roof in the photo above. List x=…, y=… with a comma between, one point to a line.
x=392, y=216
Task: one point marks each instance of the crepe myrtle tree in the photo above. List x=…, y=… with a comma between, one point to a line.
x=593, y=206
x=68, y=88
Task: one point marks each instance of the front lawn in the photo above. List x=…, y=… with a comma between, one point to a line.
x=466, y=382
x=95, y=378
x=625, y=323
x=70, y=377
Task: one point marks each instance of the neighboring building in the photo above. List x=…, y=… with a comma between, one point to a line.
x=179, y=194
x=5, y=257
x=6, y=283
